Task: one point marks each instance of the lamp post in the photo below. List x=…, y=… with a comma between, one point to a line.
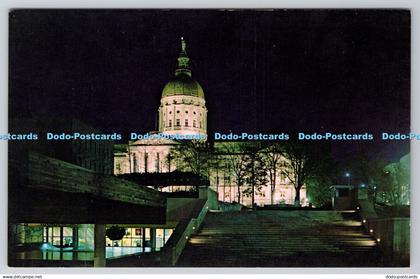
x=347, y=174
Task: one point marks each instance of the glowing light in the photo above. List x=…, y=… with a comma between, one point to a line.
x=357, y=208
x=186, y=237
x=193, y=228
x=347, y=174
x=371, y=231
x=349, y=223
x=199, y=241
x=364, y=220
x=378, y=239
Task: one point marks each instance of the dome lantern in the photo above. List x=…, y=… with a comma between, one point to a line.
x=183, y=60
x=183, y=84
x=183, y=107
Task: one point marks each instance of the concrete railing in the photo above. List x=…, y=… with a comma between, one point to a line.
x=36, y=171
x=188, y=226
x=48, y=173
x=179, y=238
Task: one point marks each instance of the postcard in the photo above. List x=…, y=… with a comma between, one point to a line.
x=209, y=138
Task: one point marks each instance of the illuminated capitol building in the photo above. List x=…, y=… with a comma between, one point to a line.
x=183, y=111
x=181, y=195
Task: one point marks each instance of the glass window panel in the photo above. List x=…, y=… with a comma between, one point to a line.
x=159, y=238
x=86, y=237
x=56, y=240
x=68, y=241
x=44, y=235
x=108, y=242
x=67, y=231
x=49, y=235
x=56, y=231
x=126, y=241
x=136, y=242
x=55, y=255
x=159, y=232
x=168, y=233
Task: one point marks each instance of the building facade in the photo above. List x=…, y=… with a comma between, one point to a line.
x=183, y=111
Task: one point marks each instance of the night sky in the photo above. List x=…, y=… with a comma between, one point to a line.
x=261, y=71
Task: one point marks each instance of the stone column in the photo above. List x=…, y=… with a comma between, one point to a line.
x=143, y=239
x=99, y=250
x=61, y=237
x=153, y=238
x=76, y=237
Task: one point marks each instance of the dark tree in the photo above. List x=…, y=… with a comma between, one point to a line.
x=272, y=156
x=255, y=168
x=192, y=155
x=318, y=184
x=302, y=162
x=236, y=159
x=369, y=171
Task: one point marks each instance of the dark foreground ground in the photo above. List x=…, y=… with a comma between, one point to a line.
x=282, y=239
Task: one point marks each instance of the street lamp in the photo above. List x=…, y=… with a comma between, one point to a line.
x=363, y=185
x=347, y=174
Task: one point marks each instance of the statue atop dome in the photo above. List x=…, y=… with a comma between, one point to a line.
x=183, y=44
x=182, y=109
x=183, y=60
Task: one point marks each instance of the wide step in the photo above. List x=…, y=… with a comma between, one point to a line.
x=281, y=238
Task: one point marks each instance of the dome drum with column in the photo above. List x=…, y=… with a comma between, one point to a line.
x=182, y=109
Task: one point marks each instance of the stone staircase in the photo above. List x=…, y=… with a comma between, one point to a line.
x=281, y=238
